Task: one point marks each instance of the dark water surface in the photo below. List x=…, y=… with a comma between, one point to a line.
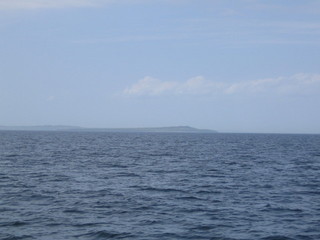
x=60, y=185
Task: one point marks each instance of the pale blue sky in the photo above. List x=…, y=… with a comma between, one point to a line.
x=228, y=65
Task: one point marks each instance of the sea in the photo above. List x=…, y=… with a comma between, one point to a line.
x=148, y=186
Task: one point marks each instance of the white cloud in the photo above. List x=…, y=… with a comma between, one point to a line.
x=300, y=83
x=259, y=85
x=297, y=84
x=150, y=86
x=199, y=85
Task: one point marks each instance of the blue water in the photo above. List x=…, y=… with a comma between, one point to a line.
x=69, y=185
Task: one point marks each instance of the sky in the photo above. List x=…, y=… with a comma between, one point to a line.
x=228, y=65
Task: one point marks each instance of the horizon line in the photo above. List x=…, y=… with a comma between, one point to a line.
x=62, y=127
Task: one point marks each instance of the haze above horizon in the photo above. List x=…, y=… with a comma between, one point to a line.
x=231, y=66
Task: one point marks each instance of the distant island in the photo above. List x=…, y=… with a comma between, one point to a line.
x=175, y=129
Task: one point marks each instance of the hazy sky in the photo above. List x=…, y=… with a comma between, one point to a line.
x=228, y=65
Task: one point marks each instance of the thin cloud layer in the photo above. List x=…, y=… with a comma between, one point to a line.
x=296, y=84
x=39, y=4
x=35, y=4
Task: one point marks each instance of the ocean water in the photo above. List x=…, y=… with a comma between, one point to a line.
x=145, y=186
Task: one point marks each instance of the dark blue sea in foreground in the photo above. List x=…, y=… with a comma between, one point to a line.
x=145, y=186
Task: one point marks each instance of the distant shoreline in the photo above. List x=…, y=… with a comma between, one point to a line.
x=171, y=129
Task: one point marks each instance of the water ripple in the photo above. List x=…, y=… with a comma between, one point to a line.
x=59, y=185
